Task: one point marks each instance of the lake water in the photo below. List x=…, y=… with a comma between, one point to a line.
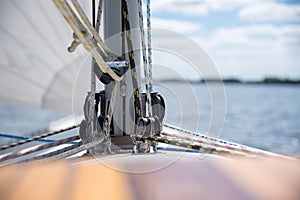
x=262, y=116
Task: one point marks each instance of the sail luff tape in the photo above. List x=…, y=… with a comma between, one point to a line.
x=87, y=42
x=90, y=27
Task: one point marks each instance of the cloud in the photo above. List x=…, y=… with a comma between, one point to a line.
x=248, y=52
x=259, y=47
x=182, y=7
x=200, y=7
x=228, y=5
x=256, y=50
x=270, y=12
x=180, y=26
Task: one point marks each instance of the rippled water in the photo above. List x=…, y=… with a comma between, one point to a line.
x=262, y=116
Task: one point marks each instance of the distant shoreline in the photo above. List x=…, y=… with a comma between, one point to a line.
x=265, y=81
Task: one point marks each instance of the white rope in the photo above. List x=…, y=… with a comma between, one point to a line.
x=83, y=35
x=149, y=44
x=146, y=67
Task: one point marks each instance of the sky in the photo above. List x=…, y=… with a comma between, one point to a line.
x=246, y=39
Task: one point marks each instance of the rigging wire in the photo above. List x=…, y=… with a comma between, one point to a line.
x=99, y=15
x=123, y=86
x=92, y=118
x=93, y=12
x=35, y=138
x=24, y=137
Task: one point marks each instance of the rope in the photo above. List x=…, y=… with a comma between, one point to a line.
x=23, y=137
x=218, y=143
x=209, y=144
x=63, y=153
x=36, y=138
x=37, y=148
x=136, y=92
x=84, y=37
x=196, y=146
x=90, y=27
x=56, y=155
x=200, y=135
x=149, y=44
x=145, y=62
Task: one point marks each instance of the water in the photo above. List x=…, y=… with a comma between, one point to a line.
x=262, y=116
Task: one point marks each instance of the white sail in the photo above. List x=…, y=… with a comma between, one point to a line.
x=35, y=67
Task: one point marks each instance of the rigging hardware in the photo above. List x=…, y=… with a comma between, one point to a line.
x=110, y=68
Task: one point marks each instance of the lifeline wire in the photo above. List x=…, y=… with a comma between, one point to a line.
x=36, y=138
x=24, y=137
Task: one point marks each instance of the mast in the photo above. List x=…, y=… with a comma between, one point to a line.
x=123, y=122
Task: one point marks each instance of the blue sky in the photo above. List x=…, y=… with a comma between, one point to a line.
x=248, y=39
